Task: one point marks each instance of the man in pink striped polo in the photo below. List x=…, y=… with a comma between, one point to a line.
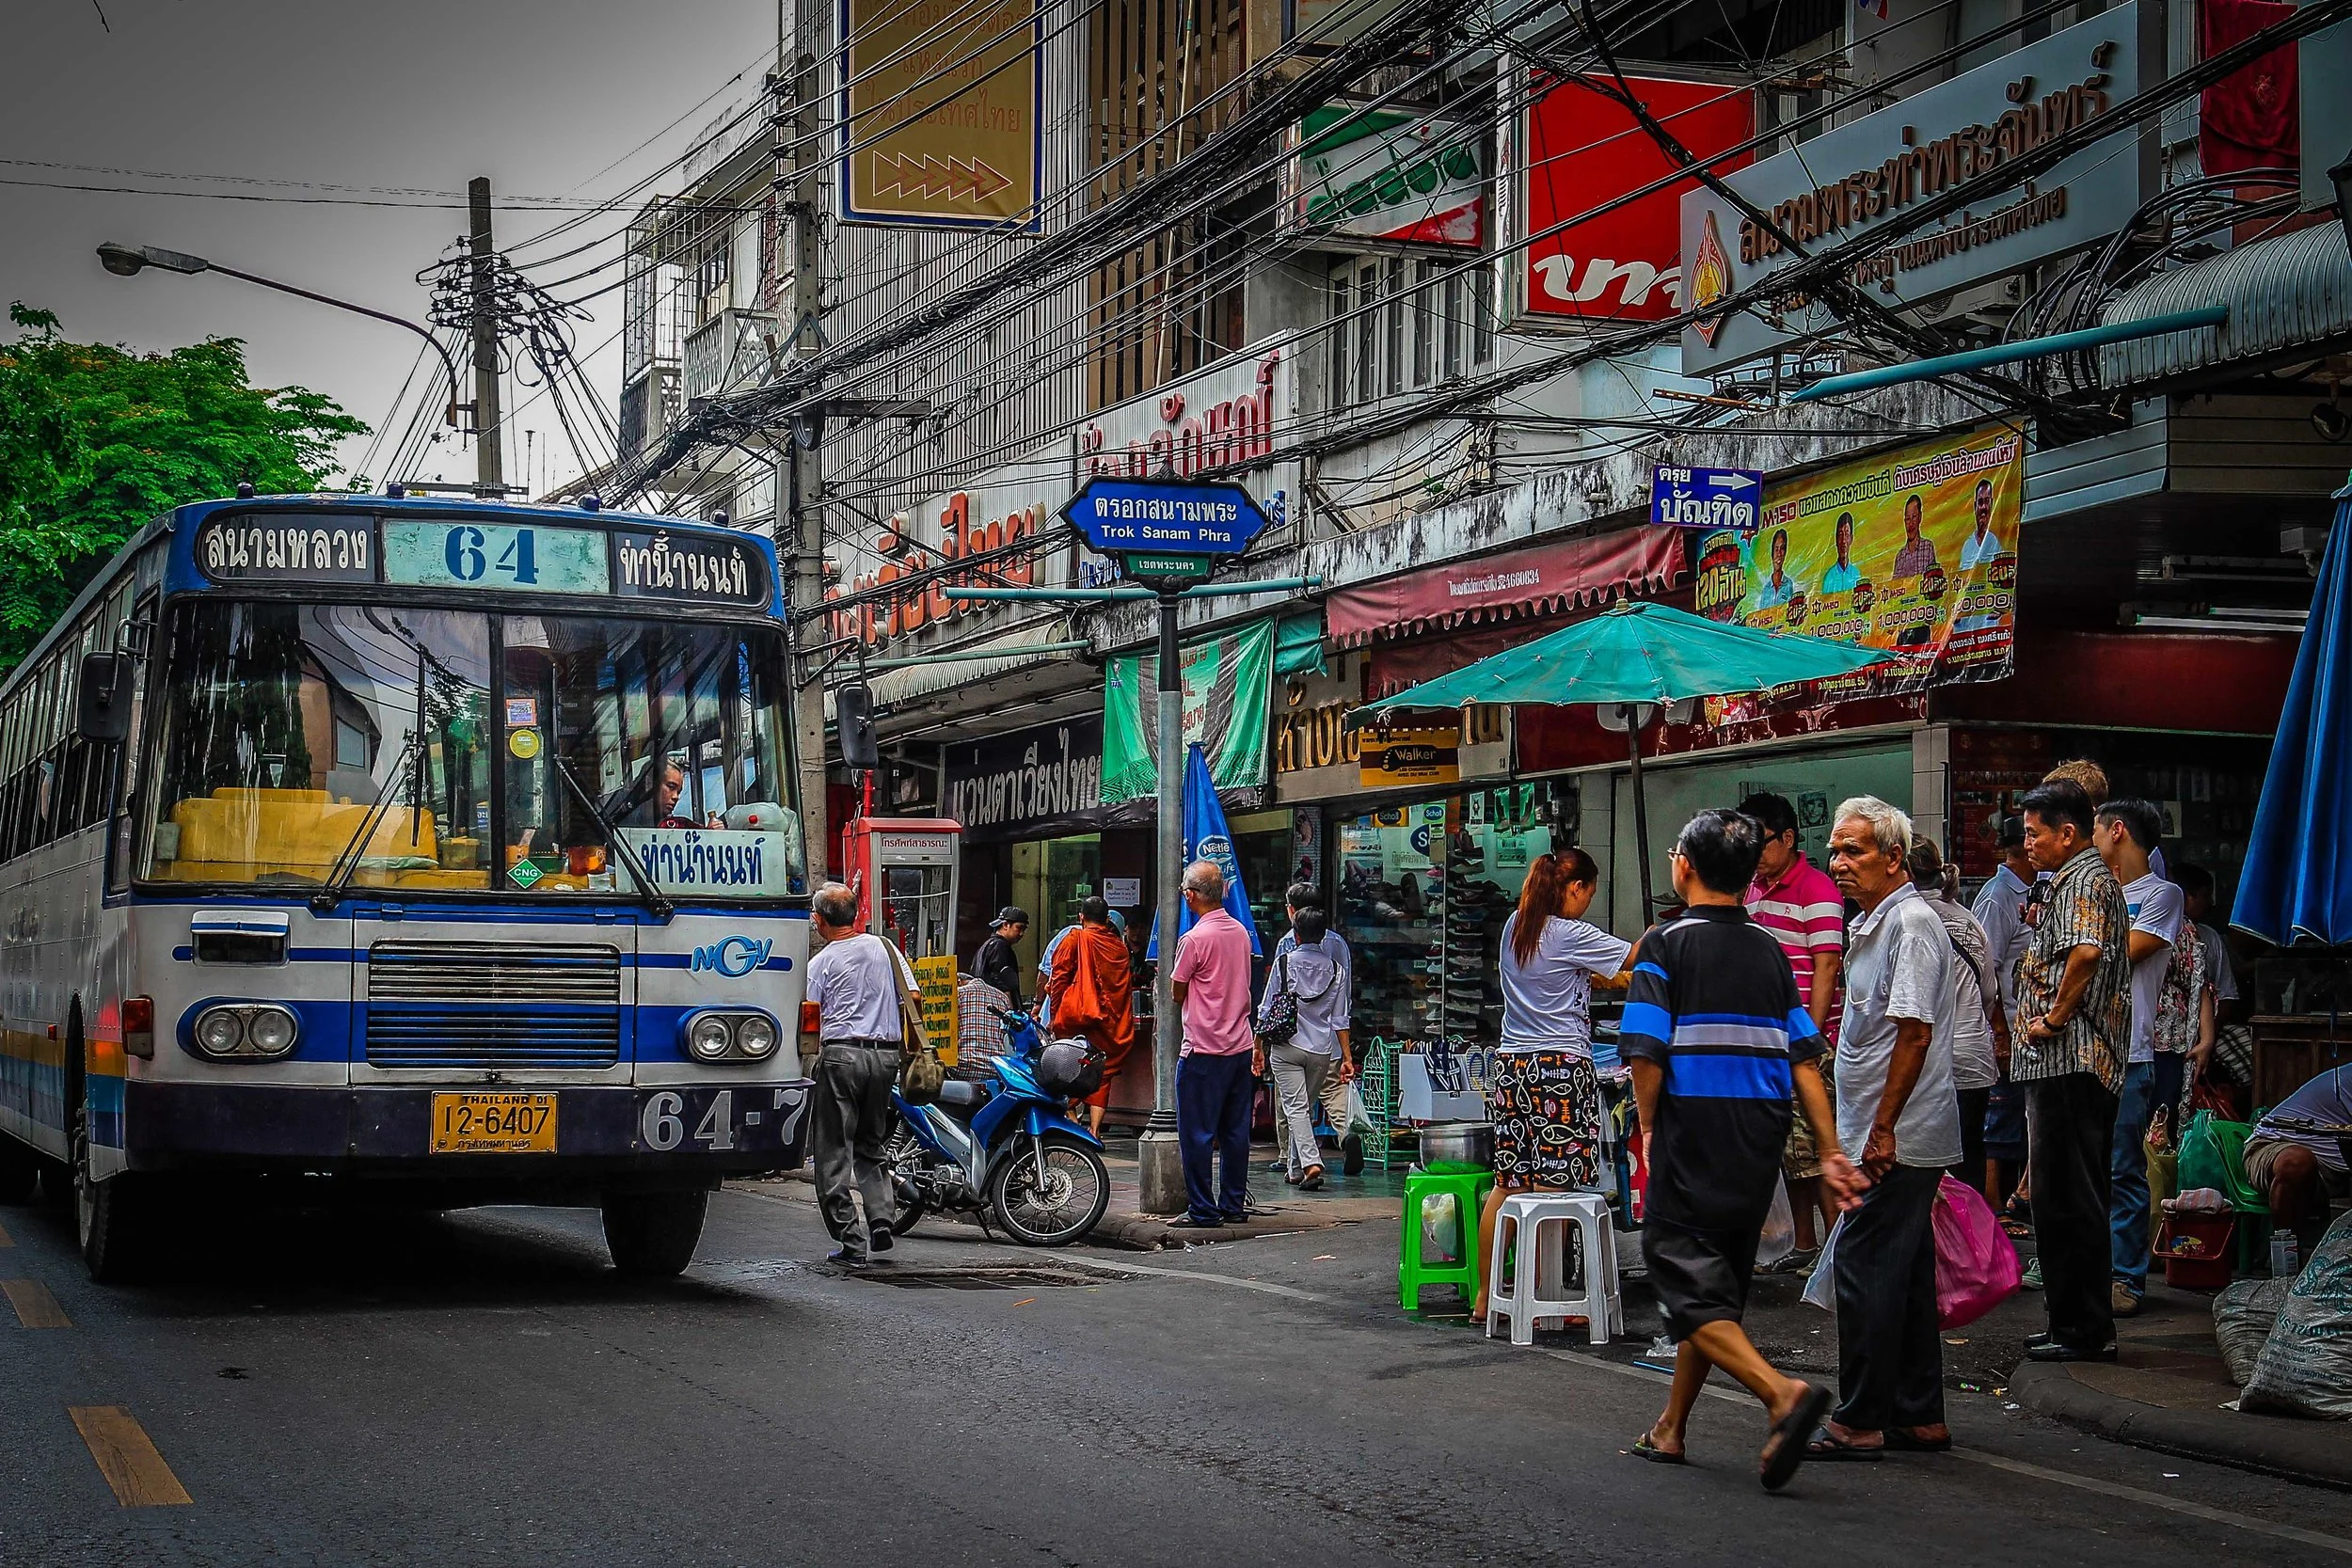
x=1796, y=901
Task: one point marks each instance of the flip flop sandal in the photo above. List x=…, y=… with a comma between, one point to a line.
x=1904, y=1442
x=1789, y=1435
x=1826, y=1445
x=1311, y=1181
x=1644, y=1448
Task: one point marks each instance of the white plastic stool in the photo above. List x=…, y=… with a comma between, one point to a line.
x=1537, y=1290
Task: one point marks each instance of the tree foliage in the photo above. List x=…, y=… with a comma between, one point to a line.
x=95, y=440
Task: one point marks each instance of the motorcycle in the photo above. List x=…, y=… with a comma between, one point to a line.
x=1005, y=1147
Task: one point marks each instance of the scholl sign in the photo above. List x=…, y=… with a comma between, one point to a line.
x=1705, y=498
x=733, y=957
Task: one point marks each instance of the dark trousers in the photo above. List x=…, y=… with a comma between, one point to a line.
x=1212, y=1100
x=846, y=1130
x=2070, y=1135
x=1973, y=1105
x=1890, y=1360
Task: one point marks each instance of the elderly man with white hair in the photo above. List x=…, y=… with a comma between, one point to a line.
x=1899, y=1114
x=1215, y=1085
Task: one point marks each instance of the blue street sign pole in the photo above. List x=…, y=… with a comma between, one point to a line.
x=1158, y=1154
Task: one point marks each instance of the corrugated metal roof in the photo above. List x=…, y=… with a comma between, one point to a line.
x=2285, y=292
x=894, y=687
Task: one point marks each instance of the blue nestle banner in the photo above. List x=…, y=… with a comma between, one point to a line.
x=1119, y=515
x=1706, y=498
x=1207, y=838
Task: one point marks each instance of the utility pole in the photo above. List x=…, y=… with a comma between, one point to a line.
x=802, y=533
x=489, y=459
x=1158, y=1156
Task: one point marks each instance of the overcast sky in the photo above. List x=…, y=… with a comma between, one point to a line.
x=416, y=94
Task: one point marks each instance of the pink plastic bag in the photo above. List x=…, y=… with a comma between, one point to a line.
x=1975, y=1263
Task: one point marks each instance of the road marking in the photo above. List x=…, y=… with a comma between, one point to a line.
x=1123, y=1266
x=35, y=1306
x=2022, y=1467
x=5, y=1239
x=126, y=1457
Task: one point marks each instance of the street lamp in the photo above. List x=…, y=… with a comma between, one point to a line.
x=125, y=260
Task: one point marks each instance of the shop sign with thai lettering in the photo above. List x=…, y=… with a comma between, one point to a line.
x=991, y=517
x=1845, y=182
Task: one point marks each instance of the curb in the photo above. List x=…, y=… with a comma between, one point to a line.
x=2319, y=1452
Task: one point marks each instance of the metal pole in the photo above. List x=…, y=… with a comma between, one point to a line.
x=488, y=452
x=795, y=131
x=1159, y=1154
x=1633, y=716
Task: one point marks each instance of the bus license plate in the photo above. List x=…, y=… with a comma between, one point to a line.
x=493, y=1124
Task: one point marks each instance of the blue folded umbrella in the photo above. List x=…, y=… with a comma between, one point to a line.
x=1207, y=838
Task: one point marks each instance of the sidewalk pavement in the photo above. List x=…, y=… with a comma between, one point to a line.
x=2168, y=1389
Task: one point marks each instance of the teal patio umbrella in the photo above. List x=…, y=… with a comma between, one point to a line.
x=1634, y=653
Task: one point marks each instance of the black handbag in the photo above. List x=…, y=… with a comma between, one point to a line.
x=1280, y=1020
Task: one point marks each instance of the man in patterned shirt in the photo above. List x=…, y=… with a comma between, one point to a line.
x=2069, y=1050
x=1797, y=902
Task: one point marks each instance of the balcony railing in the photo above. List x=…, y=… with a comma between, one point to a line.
x=729, y=352
x=650, y=404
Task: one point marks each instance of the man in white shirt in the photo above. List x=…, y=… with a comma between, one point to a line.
x=2125, y=836
x=853, y=983
x=1896, y=1105
x=2000, y=909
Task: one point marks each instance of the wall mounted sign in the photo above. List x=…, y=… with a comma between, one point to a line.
x=1705, y=498
x=940, y=113
x=1374, y=174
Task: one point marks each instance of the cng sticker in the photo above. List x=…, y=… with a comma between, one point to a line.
x=523, y=874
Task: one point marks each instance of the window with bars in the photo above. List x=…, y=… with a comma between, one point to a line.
x=1400, y=324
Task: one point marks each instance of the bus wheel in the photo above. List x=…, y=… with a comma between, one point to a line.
x=653, y=1235
x=109, y=1217
x=20, y=1169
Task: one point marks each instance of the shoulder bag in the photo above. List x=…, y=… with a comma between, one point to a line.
x=920, y=1072
x=1280, y=1022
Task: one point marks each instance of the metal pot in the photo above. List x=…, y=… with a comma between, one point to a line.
x=1465, y=1143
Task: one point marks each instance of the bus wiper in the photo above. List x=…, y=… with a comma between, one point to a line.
x=347, y=860
x=655, y=899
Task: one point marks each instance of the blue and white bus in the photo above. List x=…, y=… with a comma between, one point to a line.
x=438, y=851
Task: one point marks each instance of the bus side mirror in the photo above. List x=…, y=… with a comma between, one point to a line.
x=853, y=718
x=102, y=700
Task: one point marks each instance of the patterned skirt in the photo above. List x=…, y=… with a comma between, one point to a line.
x=1546, y=1108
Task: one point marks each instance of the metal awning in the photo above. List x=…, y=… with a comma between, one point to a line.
x=1018, y=650
x=2289, y=294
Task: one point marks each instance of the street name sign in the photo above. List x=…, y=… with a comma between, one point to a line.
x=1155, y=518
x=1705, y=498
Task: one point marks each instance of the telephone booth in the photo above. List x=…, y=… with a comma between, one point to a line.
x=904, y=871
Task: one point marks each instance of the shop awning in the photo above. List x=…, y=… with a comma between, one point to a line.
x=1298, y=645
x=1019, y=651
x=1534, y=580
x=2286, y=293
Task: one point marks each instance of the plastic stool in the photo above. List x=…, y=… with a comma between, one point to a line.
x=1538, y=1287
x=1469, y=1190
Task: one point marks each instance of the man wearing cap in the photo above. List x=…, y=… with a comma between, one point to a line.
x=997, y=964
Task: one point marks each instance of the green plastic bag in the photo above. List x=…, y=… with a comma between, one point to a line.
x=2202, y=1162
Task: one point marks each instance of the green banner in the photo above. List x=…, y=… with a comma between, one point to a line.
x=1228, y=682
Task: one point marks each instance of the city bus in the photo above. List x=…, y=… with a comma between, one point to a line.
x=387, y=848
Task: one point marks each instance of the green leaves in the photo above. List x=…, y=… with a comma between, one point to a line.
x=94, y=440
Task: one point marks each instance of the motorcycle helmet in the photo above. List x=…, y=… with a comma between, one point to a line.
x=1071, y=1068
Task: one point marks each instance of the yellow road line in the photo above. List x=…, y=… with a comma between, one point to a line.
x=35, y=1306
x=126, y=1457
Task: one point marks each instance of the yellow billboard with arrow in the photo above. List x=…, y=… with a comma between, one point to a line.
x=940, y=113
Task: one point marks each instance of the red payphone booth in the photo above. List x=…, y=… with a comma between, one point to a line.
x=903, y=870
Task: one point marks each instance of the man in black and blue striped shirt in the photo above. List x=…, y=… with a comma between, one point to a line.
x=1717, y=1037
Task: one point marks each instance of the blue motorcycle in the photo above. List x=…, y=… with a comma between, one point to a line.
x=1004, y=1147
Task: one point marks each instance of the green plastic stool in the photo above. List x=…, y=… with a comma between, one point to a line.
x=1469, y=1189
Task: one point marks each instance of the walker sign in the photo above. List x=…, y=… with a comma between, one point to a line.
x=1705, y=498
x=1118, y=515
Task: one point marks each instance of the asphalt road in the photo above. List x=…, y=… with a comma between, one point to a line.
x=482, y=1388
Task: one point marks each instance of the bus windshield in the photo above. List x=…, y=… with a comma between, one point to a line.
x=495, y=753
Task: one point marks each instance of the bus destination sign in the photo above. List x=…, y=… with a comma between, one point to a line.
x=664, y=566
x=1166, y=519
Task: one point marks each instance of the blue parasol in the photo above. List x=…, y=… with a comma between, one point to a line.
x=1207, y=838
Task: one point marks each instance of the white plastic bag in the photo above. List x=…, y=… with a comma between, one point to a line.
x=1780, y=1229
x=1821, y=1289
x=1359, y=1115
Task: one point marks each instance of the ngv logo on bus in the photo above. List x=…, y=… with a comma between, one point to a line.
x=733, y=957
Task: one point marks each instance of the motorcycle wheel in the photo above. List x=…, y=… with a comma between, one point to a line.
x=1057, y=1208
x=902, y=1156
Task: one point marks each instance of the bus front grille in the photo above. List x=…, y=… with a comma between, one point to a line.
x=493, y=1005
x=414, y=1034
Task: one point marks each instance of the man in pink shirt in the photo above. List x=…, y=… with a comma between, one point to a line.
x=1797, y=902
x=1214, y=1080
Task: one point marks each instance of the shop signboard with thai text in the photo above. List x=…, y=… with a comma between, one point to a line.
x=1044, y=779
x=1913, y=550
x=1838, y=187
x=1579, y=153
x=1705, y=498
x=939, y=113
x=1376, y=174
x=998, y=522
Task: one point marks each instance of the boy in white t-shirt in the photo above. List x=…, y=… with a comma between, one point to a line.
x=2126, y=836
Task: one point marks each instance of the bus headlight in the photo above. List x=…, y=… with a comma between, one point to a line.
x=244, y=1031
x=754, y=1035
x=709, y=1038
x=731, y=1036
